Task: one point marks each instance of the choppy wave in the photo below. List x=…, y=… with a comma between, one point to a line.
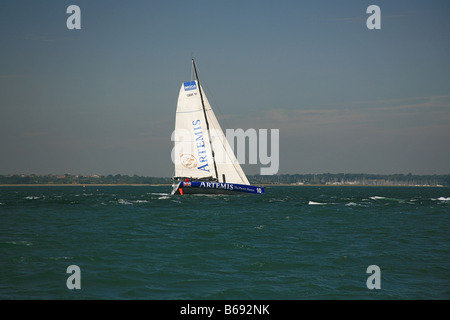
x=32, y=197
x=123, y=201
x=23, y=243
x=313, y=203
x=141, y=243
x=388, y=199
x=442, y=199
x=131, y=202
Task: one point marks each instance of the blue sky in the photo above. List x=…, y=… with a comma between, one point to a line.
x=101, y=100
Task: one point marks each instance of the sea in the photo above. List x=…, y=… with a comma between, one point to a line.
x=292, y=243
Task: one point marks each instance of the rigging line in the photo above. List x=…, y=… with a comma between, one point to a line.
x=207, y=90
x=223, y=119
x=228, y=151
x=227, y=125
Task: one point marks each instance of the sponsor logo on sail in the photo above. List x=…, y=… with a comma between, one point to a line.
x=188, y=161
x=190, y=85
x=200, y=144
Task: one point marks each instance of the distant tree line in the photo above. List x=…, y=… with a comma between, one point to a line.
x=294, y=179
x=354, y=179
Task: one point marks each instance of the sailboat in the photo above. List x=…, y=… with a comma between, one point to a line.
x=204, y=160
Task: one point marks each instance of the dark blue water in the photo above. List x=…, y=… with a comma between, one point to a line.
x=291, y=243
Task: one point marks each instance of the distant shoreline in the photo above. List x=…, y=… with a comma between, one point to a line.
x=325, y=179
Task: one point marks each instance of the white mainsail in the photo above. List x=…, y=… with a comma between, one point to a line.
x=195, y=145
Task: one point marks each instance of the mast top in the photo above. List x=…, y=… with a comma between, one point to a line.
x=195, y=71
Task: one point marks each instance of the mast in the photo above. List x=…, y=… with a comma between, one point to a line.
x=206, y=119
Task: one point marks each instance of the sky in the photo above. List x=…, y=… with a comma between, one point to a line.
x=345, y=98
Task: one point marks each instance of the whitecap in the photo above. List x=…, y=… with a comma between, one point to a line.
x=61, y=258
x=122, y=201
x=316, y=203
x=377, y=198
x=140, y=201
x=32, y=198
x=351, y=204
x=26, y=243
x=442, y=199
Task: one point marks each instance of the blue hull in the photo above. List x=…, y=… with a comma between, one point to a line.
x=216, y=187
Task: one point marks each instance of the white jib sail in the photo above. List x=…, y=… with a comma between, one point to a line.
x=192, y=153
